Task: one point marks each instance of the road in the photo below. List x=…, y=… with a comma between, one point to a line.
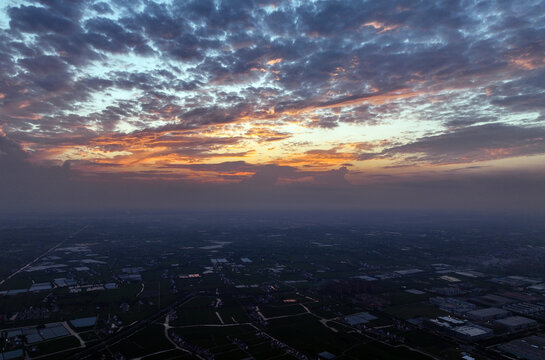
x=167, y=327
x=124, y=333
x=42, y=255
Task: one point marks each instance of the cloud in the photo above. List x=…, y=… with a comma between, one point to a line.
x=10, y=152
x=106, y=35
x=325, y=63
x=34, y=19
x=43, y=65
x=268, y=93
x=472, y=144
x=269, y=175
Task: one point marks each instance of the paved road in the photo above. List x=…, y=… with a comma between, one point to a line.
x=89, y=352
x=42, y=255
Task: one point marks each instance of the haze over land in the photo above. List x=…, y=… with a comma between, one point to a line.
x=272, y=104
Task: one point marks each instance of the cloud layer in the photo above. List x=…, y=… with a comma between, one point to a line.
x=270, y=94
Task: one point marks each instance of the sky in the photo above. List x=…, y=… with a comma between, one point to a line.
x=272, y=104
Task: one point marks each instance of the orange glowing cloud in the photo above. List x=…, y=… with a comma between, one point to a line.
x=528, y=62
x=26, y=117
x=23, y=105
x=274, y=61
x=497, y=152
x=149, y=148
x=266, y=134
x=318, y=158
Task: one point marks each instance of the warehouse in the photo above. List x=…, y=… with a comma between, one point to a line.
x=516, y=323
x=487, y=314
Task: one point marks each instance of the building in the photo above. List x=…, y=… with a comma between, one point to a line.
x=131, y=277
x=471, y=333
x=452, y=305
x=528, y=348
x=447, y=291
x=64, y=282
x=487, y=314
x=359, y=318
x=40, y=287
x=326, y=355
x=12, y=355
x=452, y=327
x=491, y=300
x=452, y=321
x=408, y=271
x=84, y=322
x=525, y=308
x=516, y=323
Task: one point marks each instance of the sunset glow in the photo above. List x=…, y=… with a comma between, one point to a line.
x=293, y=93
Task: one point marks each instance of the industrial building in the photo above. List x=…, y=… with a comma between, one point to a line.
x=525, y=308
x=452, y=305
x=359, y=318
x=528, y=348
x=516, y=323
x=491, y=300
x=487, y=314
x=467, y=332
x=470, y=333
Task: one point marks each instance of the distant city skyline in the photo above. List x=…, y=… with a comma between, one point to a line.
x=272, y=104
